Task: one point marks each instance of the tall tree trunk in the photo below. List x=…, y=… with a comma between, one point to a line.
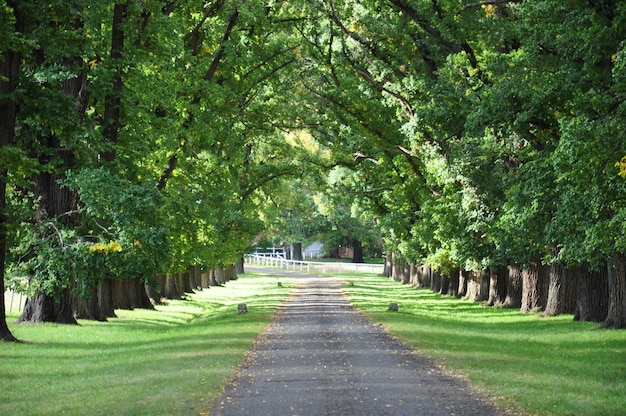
x=464, y=276
x=88, y=308
x=219, y=274
x=105, y=297
x=571, y=290
x=592, y=294
x=453, y=286
x=56, y=202
x=357, y=251
x=240, y=266
x=388, y=265
x=435, y=285
x=555, y=304
x=444, y=283
x=170, y=290
x=616, y=314
x=473, y=286
x=413, y=274
x=297, y=251
x=531, y=288
x=513, y=288
x=9, y=71
x=497, y=285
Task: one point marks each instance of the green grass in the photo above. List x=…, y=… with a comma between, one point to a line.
x=176, y=359
x=170, y=361
x=535, y=365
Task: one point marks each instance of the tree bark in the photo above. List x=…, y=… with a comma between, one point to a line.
x=297, y=251
x=484, y=285
x=130, y=293
x=473, y=287
x=616, y=314
x=592, y=294
x=44, y=308
x=453, y=286
x=435, y=284
x=464, y=276
x=555, y=304
x=88, y=308
x=170, y=290
x=105, y=297
x=388, y=265
x=513, y=287
x=497, y=286
x=357, y=251
x=9, y=71
x=240, y=266
x=531, y=290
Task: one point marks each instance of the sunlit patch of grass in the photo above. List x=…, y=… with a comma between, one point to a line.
x=547, y=366
x=172, y=360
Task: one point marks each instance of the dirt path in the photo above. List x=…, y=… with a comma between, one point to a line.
x=321, y=357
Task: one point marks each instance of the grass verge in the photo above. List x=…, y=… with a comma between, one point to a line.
x=170, y=361
x=534, y=365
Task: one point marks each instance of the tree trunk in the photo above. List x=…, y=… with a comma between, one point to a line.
x=395, y=268
x=231, y=272
x=497, y=286
x=170, y=290
x=43, y=308
x=435, y=285
x=157, y=293
x=357, y=248
x=555, y=303
x=88, y=308
x=531, y=289
x=130, y=293
x=9, y=71
x=205, y=278
x=183, y=280
x=592, y=294
x=616, y=314
x=570, y=292
x=388, y=265
x=240, y=266
x=473, y=287
x=453, y=286
x=297, y=252
x=413, y=271
x=513, y=288
x=427, y=276
x=105, y=298
x=463, y=279
x=444, y=283
x=212, y=278
x=219, y=275
x=485, y=279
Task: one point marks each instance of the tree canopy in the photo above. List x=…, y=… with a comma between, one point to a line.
x=146, y=137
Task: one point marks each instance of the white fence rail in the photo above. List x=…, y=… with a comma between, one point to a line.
x=14, y=302
x=313, y=266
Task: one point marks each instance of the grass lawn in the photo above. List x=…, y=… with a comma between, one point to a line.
x=535, y=365
x=174, y=361
x=171, y=361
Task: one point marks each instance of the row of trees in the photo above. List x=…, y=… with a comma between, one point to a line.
x=487, y=137
x=477, y=138
x=137, y=138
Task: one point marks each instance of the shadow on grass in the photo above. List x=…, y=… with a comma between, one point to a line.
x=551, y=366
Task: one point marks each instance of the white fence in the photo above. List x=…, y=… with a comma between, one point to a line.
x=314, y=266
x=14, y=302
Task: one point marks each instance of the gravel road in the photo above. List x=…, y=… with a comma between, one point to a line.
x=322, y=357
